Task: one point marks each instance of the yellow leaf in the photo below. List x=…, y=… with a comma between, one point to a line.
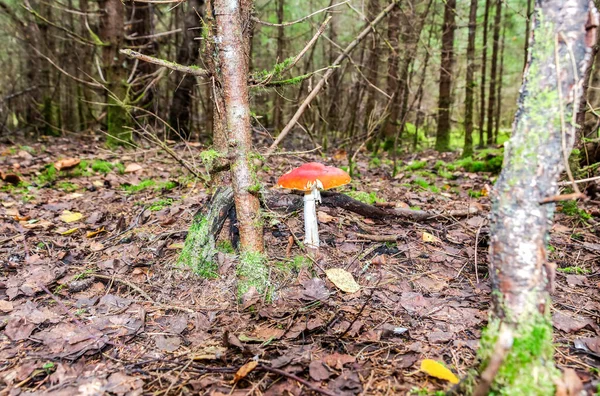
x=343, y=280
x=69, y=232
x=70, y=217
x=245, y=370
x=92, y=234
x=175, y=246
x=427, y=237
x=437, y=370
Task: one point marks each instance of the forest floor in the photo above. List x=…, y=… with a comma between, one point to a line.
x=93, y=301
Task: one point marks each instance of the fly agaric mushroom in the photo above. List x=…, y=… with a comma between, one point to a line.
x=310, y=178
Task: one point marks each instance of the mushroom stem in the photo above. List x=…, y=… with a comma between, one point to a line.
x=311, y=227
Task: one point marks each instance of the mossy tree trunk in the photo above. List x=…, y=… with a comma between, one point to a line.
x=516, y=349
x=442, y=141
x=112, y=24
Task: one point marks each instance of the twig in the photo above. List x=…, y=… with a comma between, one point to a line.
x=379, y=238
x=299, y=20
x=503, y=345
x=360, y=311
x=589, y=179
x=294, y=152
x=88, y=83
x=194, y=71
x=564, y=197
x=328, y=74
x=126, y=283
x=296, y=378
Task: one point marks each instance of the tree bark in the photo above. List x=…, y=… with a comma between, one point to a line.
x=393, y=34
x=519, y=334
x=112, y=23
x=442, y=141
x=499, y=87
x=483, y=74
x=277, y=100
x=187, y=54
x=233, y=45
x=372, y=72
x=470, y=81
x=493, y=74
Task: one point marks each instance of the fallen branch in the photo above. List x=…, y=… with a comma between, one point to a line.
x=291, y=376
x=328, y=74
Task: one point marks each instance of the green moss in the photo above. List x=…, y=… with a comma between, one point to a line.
x=48, y=175
x=120, y=168
x=67, y=186
x=422, y=183
x=144, y=184
x=366, y=197
x=117, y=118
x=225, y=246
x=415, y=165
x=197, y=252
x=252, y=271
x=160, y=204
x=574, y=270
x=528, y=368
x=375, y=162
x=570, y=208
x=475, y=194
x=209, y=157
x=103, y=167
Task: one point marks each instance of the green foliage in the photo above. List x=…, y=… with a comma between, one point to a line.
x=475, y=194
x=209, y=157
x=48, y=175
x=225, y=246
x=365, y=197
x=160, y=204
x=134, y=188
x=252, y=271
x=120, y=168
x=422, y=183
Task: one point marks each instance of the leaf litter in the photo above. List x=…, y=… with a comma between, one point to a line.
x=101, y=306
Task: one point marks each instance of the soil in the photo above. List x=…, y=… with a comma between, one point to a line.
x=93, y=300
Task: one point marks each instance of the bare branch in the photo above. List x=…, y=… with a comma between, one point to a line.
x=299, y=20
x=194, y=71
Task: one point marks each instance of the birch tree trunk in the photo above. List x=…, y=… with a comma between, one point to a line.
x=516, y=348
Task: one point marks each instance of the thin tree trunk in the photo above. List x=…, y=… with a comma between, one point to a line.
x=493, y=74
x=231, y=18
x=187, y=54
x=392, y=72
x=442, y=141
x=470, y=81
x=483, y=74
x=519, y=334
x=527, y=31
x=372, y=72
x=422, y=85
x=112, y=33
x=277, y=100
x=499, y=95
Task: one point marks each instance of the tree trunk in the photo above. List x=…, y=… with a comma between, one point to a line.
x=277, y=100
x=392, y=73
x=527, y=30
x=231, y=18
x=187, y=54
x=112, y=34
x=419, y=95
x=483, y=74
x=493, y=74
x=372, y=72
x=470, y=81
x=519, y=335
x=499, y=95
x=442, y=141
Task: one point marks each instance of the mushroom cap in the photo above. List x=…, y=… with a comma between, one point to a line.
x=304, y=177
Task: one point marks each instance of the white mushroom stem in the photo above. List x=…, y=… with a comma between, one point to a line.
x=311, y=227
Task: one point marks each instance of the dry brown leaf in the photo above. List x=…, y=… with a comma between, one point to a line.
x=324, y=217
x=245, y=370
x=10, y=178
x=66, y=163
x=343, y=280
x=133, y=167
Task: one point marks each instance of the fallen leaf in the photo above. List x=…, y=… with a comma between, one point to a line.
x=96, y=246
x=33, y=224
x=318, y=370
x=6, y=306
x=176, y=246
x=324, y=217
x=343, y=280
x=437, y=370
x=70, y=217
x=133, y=167
x=427, y=237
x=245, y=370
x=69, y=232
x=91, y=234
x=10, y=178
x=66, y=163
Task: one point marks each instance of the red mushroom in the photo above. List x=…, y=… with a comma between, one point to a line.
x=310, y=178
